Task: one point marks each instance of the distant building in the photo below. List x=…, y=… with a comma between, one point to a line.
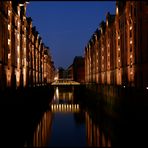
x=79, y=69
x=70, y=72
x=63, y=74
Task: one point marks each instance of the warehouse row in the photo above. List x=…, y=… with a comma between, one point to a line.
x=24, y=59
x=117, y=53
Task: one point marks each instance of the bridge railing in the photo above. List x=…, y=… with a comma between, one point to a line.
x=65, y=82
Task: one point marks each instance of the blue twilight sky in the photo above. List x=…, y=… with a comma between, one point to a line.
x=67, y=26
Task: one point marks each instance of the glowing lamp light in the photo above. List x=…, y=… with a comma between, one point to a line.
x=55, y=78
x=21, y=5
x=147, y=88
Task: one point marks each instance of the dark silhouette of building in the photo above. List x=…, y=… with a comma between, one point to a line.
x=79, y=69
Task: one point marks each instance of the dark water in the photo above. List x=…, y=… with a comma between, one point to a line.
x=70, y=118
x=66, y=123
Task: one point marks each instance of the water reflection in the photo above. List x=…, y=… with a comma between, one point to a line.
x=65, y=107
x=63, y=95
x=42, y=131
x=94, y=133
x=67, y=128
x=66, y=123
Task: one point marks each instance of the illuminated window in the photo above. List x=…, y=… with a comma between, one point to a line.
x=18, y=36
x=8, y=26
x=18, y=23
x=9, y=55
x=107, y=22
x=18, y=60
x=18, y=48
x=117, y=10
x=18, y=12
x=9, y=41
x=9, y=12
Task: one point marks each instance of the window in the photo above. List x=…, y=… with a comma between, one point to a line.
x=131, y=10
x=134, y=12
x=130, y=33
x=130, y=48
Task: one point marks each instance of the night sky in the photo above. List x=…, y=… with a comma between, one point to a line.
x=66, y=27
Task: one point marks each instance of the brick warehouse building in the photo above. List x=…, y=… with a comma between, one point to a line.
x=24, y=60
x=116, y=57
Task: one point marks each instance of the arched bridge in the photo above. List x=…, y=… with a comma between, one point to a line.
x=65, y=82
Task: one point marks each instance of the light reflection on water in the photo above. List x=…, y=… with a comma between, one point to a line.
x=67, y=124
x=95, y=135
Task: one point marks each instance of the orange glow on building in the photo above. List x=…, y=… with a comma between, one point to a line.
x=121, y=48
x=23, y=49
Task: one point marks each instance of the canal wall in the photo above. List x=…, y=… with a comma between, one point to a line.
x=121, y=101
x=20, y=112
x=27, y=96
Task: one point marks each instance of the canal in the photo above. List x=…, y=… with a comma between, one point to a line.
x=73, y=116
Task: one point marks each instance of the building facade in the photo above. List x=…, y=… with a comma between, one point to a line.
x=78, y=69
x=117, y=51
x=24, y=59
